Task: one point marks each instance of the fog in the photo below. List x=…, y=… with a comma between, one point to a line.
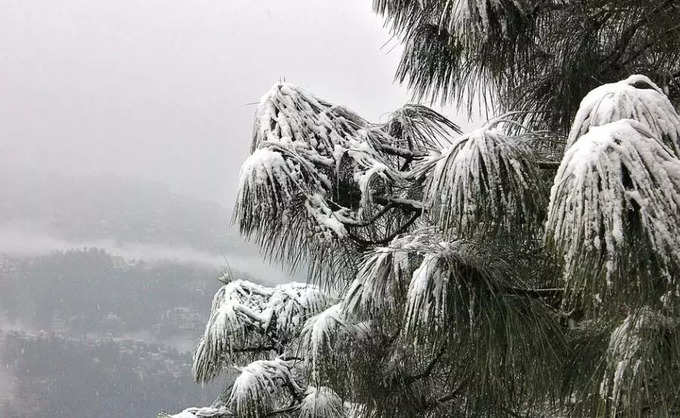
x=19, y=241
x=166, y=90
x=122, y=127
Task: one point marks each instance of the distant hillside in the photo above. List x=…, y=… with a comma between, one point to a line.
x=112, y=208
x=85, y=333
x=66, y=377
x=110, y=281
x=89, y=291
x=40, y=213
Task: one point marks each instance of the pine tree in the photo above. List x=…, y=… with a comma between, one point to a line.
x=538, y=56
x=513, y=270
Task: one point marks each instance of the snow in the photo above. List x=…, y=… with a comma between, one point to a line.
x=364, y=180
x=645, y=103
x=484, y=175
x=301, y=145
x=242, y=312
x=427, y=294
x=386, y=272
x=613, y=172
x=376, y=288
x=269, y=180
x=626, y=353
x=329, y=224
x=412, y=275
x=323, y=163
x=321, y=402
x=321, y=331
x=251, y=393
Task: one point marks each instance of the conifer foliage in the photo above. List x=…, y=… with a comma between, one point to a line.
x=457, y=274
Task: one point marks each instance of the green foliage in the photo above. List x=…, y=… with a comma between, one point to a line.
x=536, y=56
x=465, y=288
x=486, y=181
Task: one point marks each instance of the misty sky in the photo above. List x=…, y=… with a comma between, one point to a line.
x=165, y=90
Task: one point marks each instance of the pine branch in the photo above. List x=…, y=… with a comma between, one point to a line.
x=257, y=349
x=374, y=218
x=535, y=293
x=428, y=370
x=403, y=228
x=406, y=204
x=548, y=165
x=284, y=411
x=400, y=152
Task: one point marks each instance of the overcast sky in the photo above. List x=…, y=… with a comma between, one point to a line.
x=165, y=90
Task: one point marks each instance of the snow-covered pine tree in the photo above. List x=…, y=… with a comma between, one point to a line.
x=443, y=281
x=446, y=276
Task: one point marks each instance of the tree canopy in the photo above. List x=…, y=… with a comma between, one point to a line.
x=513, y=270
x=539, y=56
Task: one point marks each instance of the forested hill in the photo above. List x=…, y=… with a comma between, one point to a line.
x=107, y=280
x=86, y=333
x=41, y=212
x=89, y=291
x=58, y=376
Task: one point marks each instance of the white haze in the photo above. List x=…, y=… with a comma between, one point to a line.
x=165, y=90
x=18, y=240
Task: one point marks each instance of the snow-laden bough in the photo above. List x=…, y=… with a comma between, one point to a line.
x=616, y=185
x=384, y=275
x=252, y=394
x=320, y=402
x=636, y=97
x=241, y=315
x=314, y=172
x=484, y=181
x=636, y=348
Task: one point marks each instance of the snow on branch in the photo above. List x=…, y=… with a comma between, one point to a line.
x=422, y=128
x=328, y=340
x=317, y=169
x=321, y=332
x=298, y=146
x=427, y=293
x=447, y=284
x=636, y=97
x=433, y=284
x=321, y=402
x=288, y=115
x=269, y=181
x=617, y=185
x=484, y=181
x=637, y=361
x=329, y=224
x=381, y=284
x=203, y=412
x=254, y=390
x=250, y=318
x=425, y=278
